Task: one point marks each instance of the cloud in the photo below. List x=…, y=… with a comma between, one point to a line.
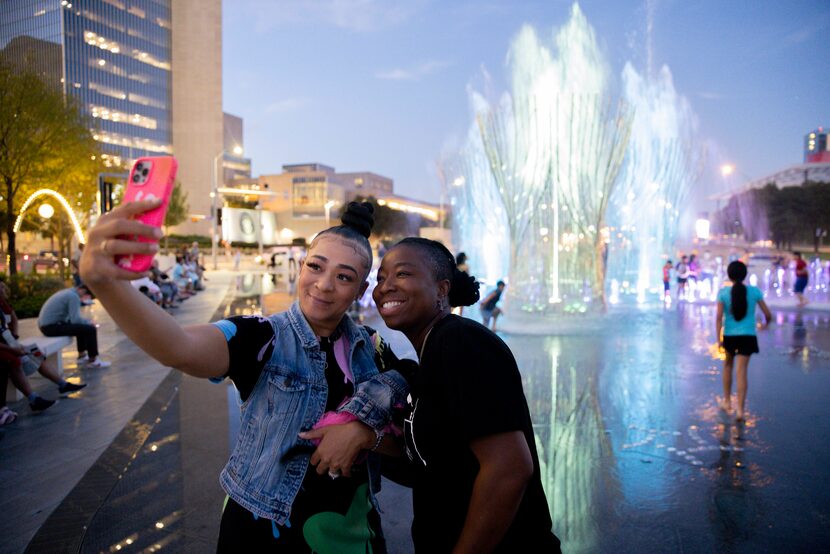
x=353, y=15
x=286, y=105
x=708, y=95
x=413, y=73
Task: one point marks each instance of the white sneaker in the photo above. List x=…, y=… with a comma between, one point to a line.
x=83, y=359
x=98, y=363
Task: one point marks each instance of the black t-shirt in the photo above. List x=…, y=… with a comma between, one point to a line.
x=250, y=349
x=468, y=387
x=491, y=304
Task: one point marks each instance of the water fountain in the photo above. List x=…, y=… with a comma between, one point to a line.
x=565, y=187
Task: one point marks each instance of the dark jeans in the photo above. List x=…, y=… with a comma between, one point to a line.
x=86, y=334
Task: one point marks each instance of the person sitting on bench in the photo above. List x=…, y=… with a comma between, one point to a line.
x=61, y=316
x=19, y=361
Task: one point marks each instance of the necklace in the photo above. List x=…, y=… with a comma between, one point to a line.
x=423, y=344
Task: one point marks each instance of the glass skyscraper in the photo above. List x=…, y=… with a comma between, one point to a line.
x=113, y=56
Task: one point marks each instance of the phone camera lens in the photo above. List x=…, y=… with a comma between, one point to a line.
x=139, y=167
x=136, y=178
x=145, y=172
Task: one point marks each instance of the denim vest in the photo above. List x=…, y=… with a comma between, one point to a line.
x=269, y=461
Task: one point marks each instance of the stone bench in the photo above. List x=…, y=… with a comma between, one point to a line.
x=51, y=348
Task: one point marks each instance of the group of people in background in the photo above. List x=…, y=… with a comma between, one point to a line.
x=700, y=278
x=170, y=287
x=59, y=316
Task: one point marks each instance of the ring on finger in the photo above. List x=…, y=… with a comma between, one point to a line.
x=104, y=246
x=334, y=474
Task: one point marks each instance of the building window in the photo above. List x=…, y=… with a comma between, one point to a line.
x=309, y=199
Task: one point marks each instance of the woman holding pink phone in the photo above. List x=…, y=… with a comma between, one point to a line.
x=290, y=368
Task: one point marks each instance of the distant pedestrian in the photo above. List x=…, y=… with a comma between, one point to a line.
x=76, y=258
x=802, y=277
x=667, y=267
x=683, y=274
x=237, y=257
x=194, y=251
x=462, y=265
x=61, y=316
x=736, y=318
x=489, y=308
x=461, y=262
x=19, y=361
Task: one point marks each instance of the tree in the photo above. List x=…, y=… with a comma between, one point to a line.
x=177, y=210
x=45, y=141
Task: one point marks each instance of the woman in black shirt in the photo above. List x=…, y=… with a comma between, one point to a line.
x=476, y=480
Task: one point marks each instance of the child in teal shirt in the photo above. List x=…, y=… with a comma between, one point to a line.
x=736, y=318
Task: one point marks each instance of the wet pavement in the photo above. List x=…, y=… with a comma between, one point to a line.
x=635, y=454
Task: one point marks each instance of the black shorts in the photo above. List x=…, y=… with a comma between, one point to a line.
x=742, y=345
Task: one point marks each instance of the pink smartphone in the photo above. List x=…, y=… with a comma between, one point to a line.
x=150, y=178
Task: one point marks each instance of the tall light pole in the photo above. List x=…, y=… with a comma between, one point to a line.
x=214, y=194
x=258, y=208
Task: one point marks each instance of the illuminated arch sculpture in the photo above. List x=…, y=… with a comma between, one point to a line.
x=62, y=201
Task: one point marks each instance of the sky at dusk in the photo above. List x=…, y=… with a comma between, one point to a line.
x=381, y=85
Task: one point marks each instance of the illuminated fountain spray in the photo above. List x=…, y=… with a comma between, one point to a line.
x=660, y=167
x=565, y=170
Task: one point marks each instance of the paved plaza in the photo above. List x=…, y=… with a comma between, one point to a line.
x=635, y=454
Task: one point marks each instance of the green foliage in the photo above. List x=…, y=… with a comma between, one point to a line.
x=179, y=241
x=29, y=306
x=177, y=210
x=787, y=216
x=178, y=207
x=45, y=141
x=30, y=292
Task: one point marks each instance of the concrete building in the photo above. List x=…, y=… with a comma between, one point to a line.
x=816, y=146
x=235, y=166
x=198, y=135
x=147, y=72
x=306, y=198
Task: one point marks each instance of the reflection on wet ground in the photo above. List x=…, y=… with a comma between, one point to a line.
x=635, y=454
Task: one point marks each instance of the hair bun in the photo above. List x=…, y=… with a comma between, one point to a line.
x=463, y=289
x=359, y=216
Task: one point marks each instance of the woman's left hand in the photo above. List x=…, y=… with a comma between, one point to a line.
x=339, y=446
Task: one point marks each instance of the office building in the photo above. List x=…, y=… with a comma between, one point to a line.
x=235, y=166
x=816, y=147
x=116, y=58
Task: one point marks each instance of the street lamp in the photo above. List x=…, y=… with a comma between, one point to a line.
x=727, y=169
x=258, y=208
x=46, y=211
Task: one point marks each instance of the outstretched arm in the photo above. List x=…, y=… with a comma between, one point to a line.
x=198, y=350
